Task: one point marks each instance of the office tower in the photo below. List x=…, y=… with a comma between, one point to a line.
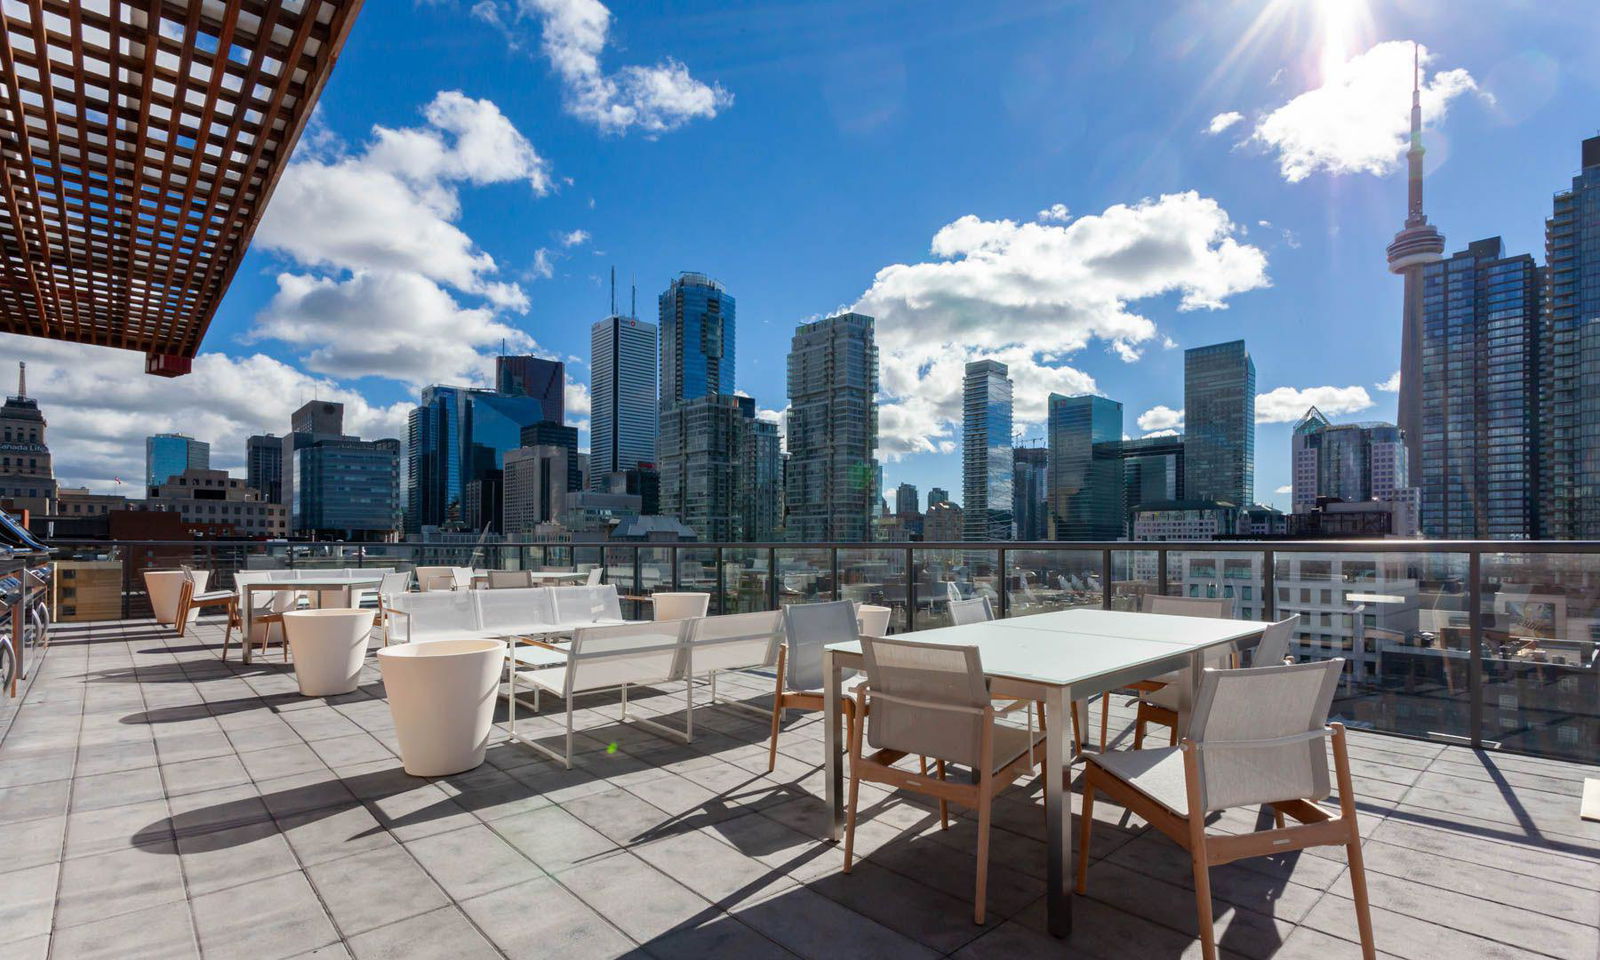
x=1350, y=461
x=543, y=380
x=833, y=430
x=642, y=481
x=263, y=466
x=27, y=479
x=697, y=339
x=221, y=505
x=483, y=501
x=1152, y=471
x=1030, y=492
x=906, y=503
x=943, y=523
x=535, y=487
x=986, y=451
x=1085, y=470
x=1219, y=441
x=318, y=418
x=1569, y=372
x=937, y=495
x=455, y=435
x=624, y=413
x=1416, y=245
x=169, y=454
x=346, y=488
x=1480, y=397
x=720, y=464
x=546, y=433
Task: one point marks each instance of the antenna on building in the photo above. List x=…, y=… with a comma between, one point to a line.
x=633, y=306
x=22, y=378
x=613, y=290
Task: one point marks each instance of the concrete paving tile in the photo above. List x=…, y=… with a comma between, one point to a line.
x=346, y=886
x=206, y=773
x=561, y=927
x=1408, y=937
x=333, y=832
x=32, y=843
x=116, y=828
x=264, y=920
x=27, y=899
x=229, y=858
x=472, y=861
x=121, y=881
x=163, y=932
x=811, y=925
x=34, y=800
x=553, y=838
x=444, y=934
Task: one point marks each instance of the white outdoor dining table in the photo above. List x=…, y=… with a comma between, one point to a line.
x=1055, y=658
x=538, y=577
x=346, y=584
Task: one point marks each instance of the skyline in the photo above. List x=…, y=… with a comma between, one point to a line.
x=786, y=263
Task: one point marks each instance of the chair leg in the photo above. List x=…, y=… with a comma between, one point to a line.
x=1138, y=732
x=777, y=712
x=944, y=805
x=1172, y=741
x=1085, y=823
x=1077, y=733
x=981, y=895
x=1105, y=719
x=850, y=824
x=1352, y=847
x=1202, y=903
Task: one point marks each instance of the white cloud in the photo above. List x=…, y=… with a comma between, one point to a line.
x=575, y=238
x=574, y=34
x=1161, y=433
x=1223, y=121
x=781, y=417
x=1391, y=384
x=1055, y=213
x=1359, y=120
x=1033, y=294
x=97, y=433
x=1286, y=488
x=1159, y=418
x=543, y=267
x=1288, y=404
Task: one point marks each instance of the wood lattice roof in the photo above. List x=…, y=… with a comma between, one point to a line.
x=141, y=140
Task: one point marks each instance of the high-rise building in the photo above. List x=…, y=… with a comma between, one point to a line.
x=1152, y=471
x=546, y=433
x=906, y=502
x=697, y=339
x=1030, y=492
x=535, y=487
x=169, y=454
x=1350, y=461
x=27, y=479
x=528, y=376
x=1085, y=471
x=986, y=481
x=831, y=477
x=943, y=523
x=1219, y=440
x=346, y=488
x=1416, y=245
x=263, y=466
x=719, y=475
x=1480, y=399
x=624, y=411
x=227, y=505
x=937, y=495
x=322, y=418
x=456, y=435
x=1569, y=373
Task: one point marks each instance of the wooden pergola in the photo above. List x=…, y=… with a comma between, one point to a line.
x=141, y=140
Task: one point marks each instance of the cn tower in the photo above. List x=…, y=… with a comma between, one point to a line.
x=1417, y=244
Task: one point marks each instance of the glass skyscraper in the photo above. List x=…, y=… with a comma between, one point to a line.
x=719, y=468
x=264, y=466
x=346, y=488
x=986, y=463
x=1480, y=399
x=1085, y=468
x=624, y=415
x=1219, y=414
x=1569, y=389
x=831, y=479
x=1030, y=492
x=528, y=376
x=1152, y=471
x=1351, y=461
x=169, y=454
x=697, y=339
x=456, y=435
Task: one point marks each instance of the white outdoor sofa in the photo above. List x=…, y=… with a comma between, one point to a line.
x=490, y=614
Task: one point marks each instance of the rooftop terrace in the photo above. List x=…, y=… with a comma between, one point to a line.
x=158, y=802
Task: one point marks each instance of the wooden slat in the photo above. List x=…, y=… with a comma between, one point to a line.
x=140, y=141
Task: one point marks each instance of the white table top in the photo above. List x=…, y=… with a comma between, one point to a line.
x=315, y=583
x=1058, y=653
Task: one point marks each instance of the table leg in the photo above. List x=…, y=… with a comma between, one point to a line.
x=1191, y=691
x=249, y=619
x=1058, y=811
x=832, y=744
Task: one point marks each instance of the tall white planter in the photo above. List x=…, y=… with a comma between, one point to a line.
x=163, y=586
x=329, y=647
x=442, y=696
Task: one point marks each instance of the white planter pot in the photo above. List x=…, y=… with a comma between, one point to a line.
x=442, y=696
x=163, y=586
x=329, y=648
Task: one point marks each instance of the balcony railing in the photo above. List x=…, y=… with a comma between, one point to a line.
x=1491, y=644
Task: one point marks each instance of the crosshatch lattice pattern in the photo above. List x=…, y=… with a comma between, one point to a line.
x=141, y=141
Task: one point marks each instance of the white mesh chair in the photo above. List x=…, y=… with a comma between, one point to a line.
x=190, y=597
x=435, y=578
x=932, y=700
x=608, y=658
x=1256, y=739
x=438, y=615
x=267, y=609
x=1273, y=648
x=976, y=610
x=808, y=627
x=394, y=584
x=509, y=579
x=595, y=573
x=680, y=606
x=737, y=641
x=873, y=620
x=1158, y=697
x=588, y=606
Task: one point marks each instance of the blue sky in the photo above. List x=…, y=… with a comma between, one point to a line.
x=818, y=156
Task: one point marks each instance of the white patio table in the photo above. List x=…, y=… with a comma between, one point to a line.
x=1057, y=658
x=308, y=585
x=539, y=578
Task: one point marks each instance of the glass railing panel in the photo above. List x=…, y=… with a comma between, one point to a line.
x=1134, y=573
x=1237, y=575
x=1400, y=621
x=746, y=580
x=805, y=575
x=89, y=583
x=1043, y=581
x=1541, y=670
x=943, y=575
x=697, y=572
x=876, y=575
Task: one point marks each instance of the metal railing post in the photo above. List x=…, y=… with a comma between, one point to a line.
x=1161, y=572
x=722, y=587
x=772, y=578
x=1269, y=585
x=911, y=589
x=674, y=566
x=1005, y=586
x=1105, y=579
x=1475, y=656
x=833, y=566
x=638, y=571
